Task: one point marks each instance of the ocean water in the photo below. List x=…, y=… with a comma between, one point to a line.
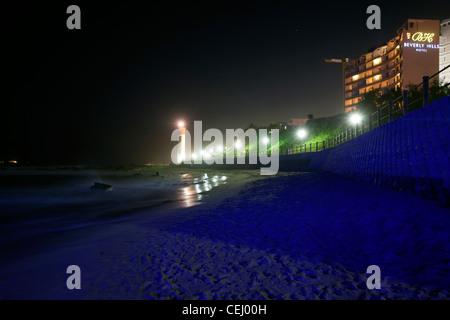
x=39, y=202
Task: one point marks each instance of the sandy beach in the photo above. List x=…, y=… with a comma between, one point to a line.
x=293, y=236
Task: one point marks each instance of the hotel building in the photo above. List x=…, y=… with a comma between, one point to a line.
x=404, y=60
x=444, y=54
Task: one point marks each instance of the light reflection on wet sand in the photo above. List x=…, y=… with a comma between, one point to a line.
x=193, y=194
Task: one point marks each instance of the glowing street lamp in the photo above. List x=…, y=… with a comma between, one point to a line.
x=355, y=119
x=301, y=133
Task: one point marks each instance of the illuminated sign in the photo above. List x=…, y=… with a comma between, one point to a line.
x=420, y=47
x=421, y=36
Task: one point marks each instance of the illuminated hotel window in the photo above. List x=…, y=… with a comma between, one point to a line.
x=376, y=61
x=377, y=77
x=355, y=77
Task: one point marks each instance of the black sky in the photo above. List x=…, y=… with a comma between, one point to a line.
x=114, y=90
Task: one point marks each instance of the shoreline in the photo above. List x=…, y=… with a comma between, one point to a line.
x=21, y=257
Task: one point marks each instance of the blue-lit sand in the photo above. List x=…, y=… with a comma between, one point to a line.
x=297, y=236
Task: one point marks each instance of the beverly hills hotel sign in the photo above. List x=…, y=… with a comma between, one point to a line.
x=421, y=41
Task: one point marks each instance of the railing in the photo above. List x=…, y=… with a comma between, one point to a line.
x=307, y=147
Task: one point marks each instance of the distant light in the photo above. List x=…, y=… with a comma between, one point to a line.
x=265, y=140
x=355, y=118
x=219, y=149
x=181, y=124
x=238, y=144
x=301, y=133
x=194, y=156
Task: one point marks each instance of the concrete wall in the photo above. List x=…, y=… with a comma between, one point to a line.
x=410, y=154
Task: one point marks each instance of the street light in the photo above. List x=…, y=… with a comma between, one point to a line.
x=301, y=133
x=180, y=124
x=355, y=118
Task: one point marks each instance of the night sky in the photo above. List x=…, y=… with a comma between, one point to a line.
x=113, y=91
